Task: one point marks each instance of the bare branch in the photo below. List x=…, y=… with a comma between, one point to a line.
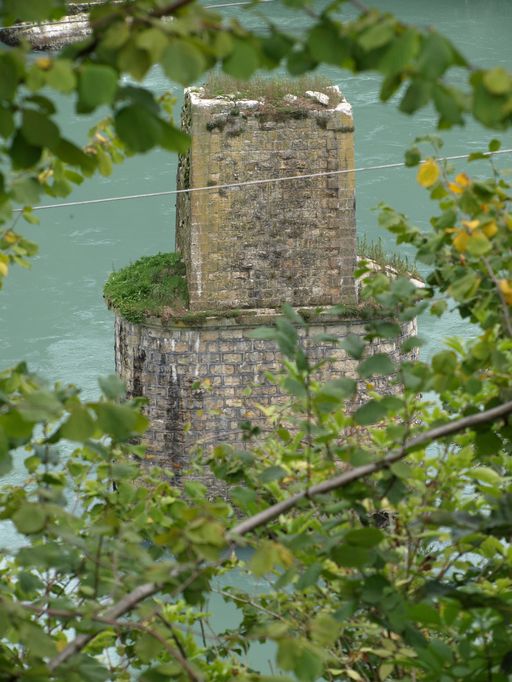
x=504, y=304
x=131, y=600
x=128, y=603
x=348, y=477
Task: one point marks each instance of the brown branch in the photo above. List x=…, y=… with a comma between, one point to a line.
x=504, y=304
x=345, y=479
x=128, y=603
x=139, y=594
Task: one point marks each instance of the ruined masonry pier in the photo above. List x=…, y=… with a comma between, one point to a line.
x=247, y=250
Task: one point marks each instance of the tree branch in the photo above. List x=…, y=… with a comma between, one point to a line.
x=131, y=600
x=348, y=477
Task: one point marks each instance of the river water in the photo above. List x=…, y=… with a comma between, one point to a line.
x=53, y=316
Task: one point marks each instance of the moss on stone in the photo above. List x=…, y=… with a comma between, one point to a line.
x=153, y=286
x=271, y=90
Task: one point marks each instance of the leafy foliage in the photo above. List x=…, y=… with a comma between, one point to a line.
x=150, y=287
x=379, y=537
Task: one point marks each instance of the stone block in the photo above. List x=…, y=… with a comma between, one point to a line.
x=251, y=247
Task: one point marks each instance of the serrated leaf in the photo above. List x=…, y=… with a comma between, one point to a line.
x=79, y=426
x=242, y=62
x=369, y=413
x=39, y=130
x=379, y=363
x=498, y=80
x=138, y=128
x=428, y=173
x=364, y=537
x=97, y=85
x=354, y=345
x=183, y=62
x=29, y=519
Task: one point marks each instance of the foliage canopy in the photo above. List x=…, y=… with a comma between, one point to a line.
x=383, y=537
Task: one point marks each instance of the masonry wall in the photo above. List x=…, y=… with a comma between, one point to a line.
x=195, y=377
x=261, y=245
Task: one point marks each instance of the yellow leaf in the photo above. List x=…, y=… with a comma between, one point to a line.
x=508, y=221
x=506, y=289
x=490, y=229
x=471, y=224
x=44, y=63
x=461, y=241
x=462, y=180
x=10, y=237
x=4, y=269
x=428, y=173
x=454, y=188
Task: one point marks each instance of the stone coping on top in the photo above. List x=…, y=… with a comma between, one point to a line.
x=250, y=318
x=314, y=99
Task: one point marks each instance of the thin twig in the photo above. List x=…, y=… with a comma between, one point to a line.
x=139, y=594
x=356, y=474
x=504, y=304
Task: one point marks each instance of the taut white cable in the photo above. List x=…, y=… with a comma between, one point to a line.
x=245, y=183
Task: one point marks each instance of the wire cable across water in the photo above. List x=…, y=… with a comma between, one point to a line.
x=245, y=183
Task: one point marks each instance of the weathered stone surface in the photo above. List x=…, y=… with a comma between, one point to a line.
x=195, y=377
x=52, y=35
x=265, y=244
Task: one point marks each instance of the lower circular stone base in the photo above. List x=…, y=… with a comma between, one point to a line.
x=203, y=378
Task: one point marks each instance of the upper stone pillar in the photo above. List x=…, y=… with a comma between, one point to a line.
x=258, y=246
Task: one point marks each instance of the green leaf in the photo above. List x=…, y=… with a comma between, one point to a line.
x=243, y=60
x=69, y=153
x=300, y=61
x=8, y=77
x=478, y=244
x=498, y=81
x=416, y=96
x=263, y=333
x=153, y=41
x=40, y=406
x=97, y=85
x=401, y=470
x=379, y=363
x=22, y=153
x=326, y=45
x=119, y=421
x=32, y=10
x=486, y=475
x=138, y=128
x=400, y=53
x=112, y=387
x=324, y=629
x=352, y=556
x=61, y=76
x=29, y=518
x=183, y=62
x=369, y=413
x=435, y=57
x=412, y=156
x=364, y=537
x=39, y=130
x=354, y=345
x=26, y=191
x=339, y=388
x=174, y=139
x=378, y=35
x=79, y=426
x=7, y=126
x=148, y=648
x=448, y=106
x=297, y=655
